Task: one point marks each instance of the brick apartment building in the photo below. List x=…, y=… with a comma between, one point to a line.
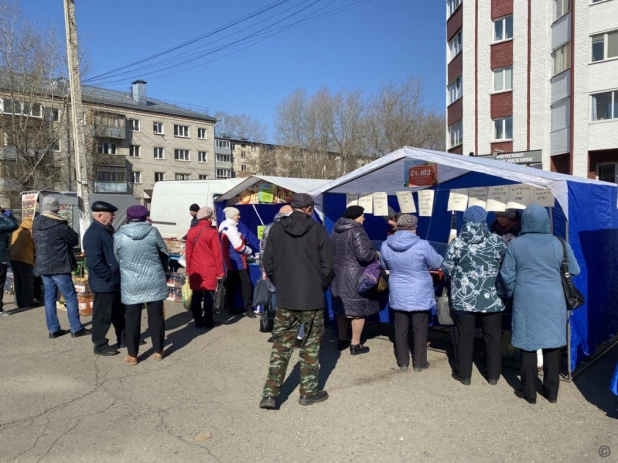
x=539, y=77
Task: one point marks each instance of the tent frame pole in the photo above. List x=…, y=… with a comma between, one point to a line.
x=570, y=372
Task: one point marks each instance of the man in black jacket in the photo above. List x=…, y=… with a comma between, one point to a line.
x=301, y=268
x=54, y=261
x=104, y=278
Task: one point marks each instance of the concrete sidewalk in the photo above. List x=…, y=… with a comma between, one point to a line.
x=60, y=403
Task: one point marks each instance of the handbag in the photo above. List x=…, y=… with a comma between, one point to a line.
x=219, y=302
x=267, y=319
x=260, y=293
x=443, y=308
x=574, y=299
x=369, y=278
x=187, y=294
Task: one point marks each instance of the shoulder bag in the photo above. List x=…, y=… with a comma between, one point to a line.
x=574, y=299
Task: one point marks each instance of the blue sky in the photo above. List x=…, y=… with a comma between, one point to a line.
x=380, y=41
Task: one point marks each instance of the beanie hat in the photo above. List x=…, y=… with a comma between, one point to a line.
x=509, y=213
x=137, y=213
x=194, y=207
x=230, y=212
x=49, y=204
x=407, y=222
x=475, y=214
x=353, y=212
x=204, y=213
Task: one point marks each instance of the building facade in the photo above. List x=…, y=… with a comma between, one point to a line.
x=529, y=76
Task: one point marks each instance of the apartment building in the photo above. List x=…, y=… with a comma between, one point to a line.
x=537, y=80
x=157, y=140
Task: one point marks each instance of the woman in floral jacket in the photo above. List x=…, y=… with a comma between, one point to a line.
x=472, y=263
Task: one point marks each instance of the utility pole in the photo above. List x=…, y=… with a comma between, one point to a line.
x=77, y=116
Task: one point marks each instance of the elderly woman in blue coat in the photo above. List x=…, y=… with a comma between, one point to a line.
x=531, y=273
x=139, y=247
x=409, y=259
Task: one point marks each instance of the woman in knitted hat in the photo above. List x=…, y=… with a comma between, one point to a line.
x=353, y=251
x=472, y=264
x=409, y=259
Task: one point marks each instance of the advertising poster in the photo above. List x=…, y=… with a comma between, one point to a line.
x=28, y=205
x=420, y=173
x=267, y=193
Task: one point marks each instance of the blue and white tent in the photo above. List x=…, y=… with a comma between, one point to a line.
x=586, y=214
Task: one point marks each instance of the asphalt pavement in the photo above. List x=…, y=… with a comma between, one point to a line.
x=61, y=403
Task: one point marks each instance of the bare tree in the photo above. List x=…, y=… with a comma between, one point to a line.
x=33, y=104
x=241, y=127
x=397, y=117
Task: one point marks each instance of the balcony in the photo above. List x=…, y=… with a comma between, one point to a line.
x=119, y=133
x=223, y=165
x=111, y=187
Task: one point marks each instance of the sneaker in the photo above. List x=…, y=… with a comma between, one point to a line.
x=358, y=349
x=106, y=351
x=418, y=368
x=320, y=396
x=57, y=334
x=461, y=379
x=343, y=345
x=80, y=333
x=268, y=403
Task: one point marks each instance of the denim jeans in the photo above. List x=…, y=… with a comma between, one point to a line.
x=64, y=283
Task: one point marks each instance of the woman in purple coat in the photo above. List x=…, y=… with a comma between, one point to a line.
x=352, y=251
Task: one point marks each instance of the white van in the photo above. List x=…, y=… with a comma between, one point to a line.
x=169, y=210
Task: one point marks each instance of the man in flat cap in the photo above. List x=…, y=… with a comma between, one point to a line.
x=300, y=266
x=104, y=278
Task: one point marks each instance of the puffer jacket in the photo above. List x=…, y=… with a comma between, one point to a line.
x=22, y=245
x=352, y=252
x=54, y=241
x=531, y=273
x=472, y=263
x=409, y=259
x=142, y=277
x=204, y=257
x=233, y=243
x=7, y=226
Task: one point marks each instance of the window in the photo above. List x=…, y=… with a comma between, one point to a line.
x=51, y=114
x=112, y=175
x=106, y=148
x=451, y=6
x=455, y=90
x=203, y=177
x=243, y=154
x=56, y=145
x=223, y=144
x=181, y=131
x=562, y=58
x=605, y=106
x=224, y=158
x=604, y=46
x=503, y=28
x=606, y=172
x=454, y=46
x=25, y=109
x=201, y=134
x=561, y=115
x=159, y=153
x=503, y=79
x=181, y=155
x=455, y=134
x=134, y=151
x=202, y=156
x=159, y=176
x=136, y=177
x=503, y=128
x=253, y=148
x=561, y=7
x=224, y=173
x=133, y=125
x=157, y=128
x=182, y=177
x=243, y=167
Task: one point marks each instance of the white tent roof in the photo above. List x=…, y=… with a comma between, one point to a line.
x=297, y=185
x=386, y=174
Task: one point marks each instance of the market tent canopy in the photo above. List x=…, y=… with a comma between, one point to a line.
x=297, y=185
x=386, y=174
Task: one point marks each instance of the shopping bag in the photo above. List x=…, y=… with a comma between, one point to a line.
x=219, y=303
x=443, y=309
x=187, y=294
x=267, y=319
x=260, y=293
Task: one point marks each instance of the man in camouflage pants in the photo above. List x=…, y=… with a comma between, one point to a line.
x=298, y=261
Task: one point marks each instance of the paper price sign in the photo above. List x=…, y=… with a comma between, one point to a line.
x=365, y=200
x=478, y=197
x=380, y=204
x=351, y=199
x=425, y=203
x=519, y=197
x=458, y=200
x=497, y=197
x=542, y=197
x=406, y=202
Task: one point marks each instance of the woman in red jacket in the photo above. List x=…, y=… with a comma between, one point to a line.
x=204, y=267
